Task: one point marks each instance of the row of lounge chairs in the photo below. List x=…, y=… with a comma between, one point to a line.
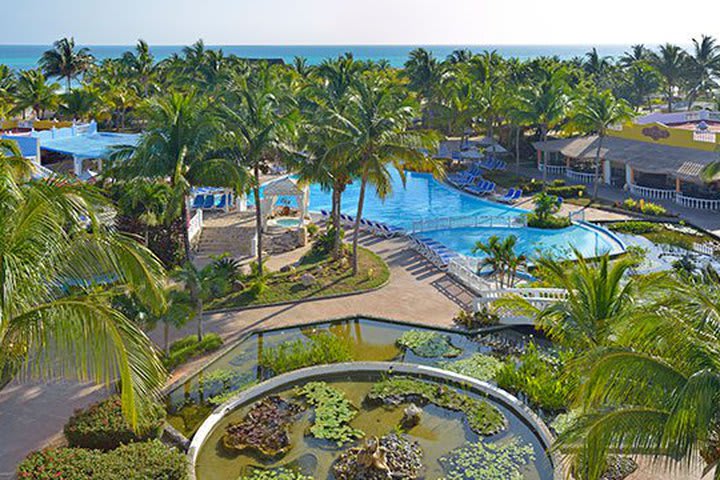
x=512, y=195
x=493, y=164
x=466, y=177
x=484, y=187
x=209, y=202
x=376, y=228
x=437, y=253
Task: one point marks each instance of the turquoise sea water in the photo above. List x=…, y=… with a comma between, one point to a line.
x=26, y=56
x=424, y=198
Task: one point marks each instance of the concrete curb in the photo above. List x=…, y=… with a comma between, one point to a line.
x=541, y=430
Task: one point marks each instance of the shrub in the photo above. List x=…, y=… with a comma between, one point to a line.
x=186, y=348
x=484, y=318
x=570, y=191
x=635, y=227
x=312, y=229
x=137, y=461
x=322, y=348
x=549, y=223
x=103, y=426
x=647, y=208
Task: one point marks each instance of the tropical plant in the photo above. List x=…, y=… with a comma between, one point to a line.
x=595, y=113
x=425, y=75
x=32, y=91
x=649, y=392
x=500, y=255
x=671, y=63
x=375, y=137
x=65, y=61
x=141, y=65
x=59, y=278
x=704, y=66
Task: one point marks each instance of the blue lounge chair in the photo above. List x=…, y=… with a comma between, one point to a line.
x=198, y=202
x=508, y=196
x=518, y=195
x=222, y=202
x=324, y=213
x=209, y=202
x=390, y=231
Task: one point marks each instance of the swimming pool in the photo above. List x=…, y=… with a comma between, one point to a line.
x=424, y=198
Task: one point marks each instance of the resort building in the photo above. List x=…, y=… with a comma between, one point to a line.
x=70, y=147
x=659, y=157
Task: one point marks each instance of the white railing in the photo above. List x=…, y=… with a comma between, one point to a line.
x=697, y=203
x=537, y=297
x=463, y=271
x=706, y=248
x=582, y=177
x=477, y=221
x=554, y=169
x=195, y=226
x=655, y=193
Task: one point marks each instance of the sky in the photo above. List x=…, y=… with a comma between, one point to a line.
x=347, y=22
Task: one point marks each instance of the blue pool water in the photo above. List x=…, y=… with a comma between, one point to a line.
x=424, y=198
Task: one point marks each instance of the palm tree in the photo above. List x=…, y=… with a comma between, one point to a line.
x=671, y=63
x=59, y=277
x=500, y=255
x=596, y=65
x=141, y=65
x=544, y=105
x=425, y=74
x=32, y=91
x=656, y=390
x=600, y=298
x=257, y=127
x=375, y=136
x=80, y=103
x=704, y=65
x=643, y=82
x=64, y=61
x=638, y=53
x=595, y=113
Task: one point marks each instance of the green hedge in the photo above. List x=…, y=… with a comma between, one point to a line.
x=102, y=425
x=186, y=348
x=550, y=223
x=570, y=191
x=137, y=461
x=635, y=227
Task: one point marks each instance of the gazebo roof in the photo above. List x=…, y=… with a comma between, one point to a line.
x=283, y=187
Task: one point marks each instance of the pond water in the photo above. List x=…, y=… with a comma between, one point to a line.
x=369, y=340
x=439, y=433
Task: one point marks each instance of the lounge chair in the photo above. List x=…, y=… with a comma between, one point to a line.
x=209, y=202
x=508, y=197
x=221, y=203
x=324, y=213
x=389, y=231
x=198, y=202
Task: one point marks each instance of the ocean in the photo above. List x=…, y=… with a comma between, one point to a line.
x=21, y=57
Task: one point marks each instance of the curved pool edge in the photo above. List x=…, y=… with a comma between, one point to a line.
x=524, y=413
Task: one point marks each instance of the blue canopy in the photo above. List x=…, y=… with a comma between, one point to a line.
x=94, y=145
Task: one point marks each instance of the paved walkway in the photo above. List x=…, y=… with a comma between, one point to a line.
x=32, y=415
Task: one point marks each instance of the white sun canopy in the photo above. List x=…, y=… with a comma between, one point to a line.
x=284, y=187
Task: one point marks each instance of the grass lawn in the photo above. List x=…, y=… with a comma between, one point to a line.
x=659, y=233
x=331, y=278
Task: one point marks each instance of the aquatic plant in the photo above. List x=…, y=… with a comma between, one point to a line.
x=488, y=461
x=264, y=428
x=391, y=456
x=274, y=474
x=217, y=386
x=425, y=343
x=322, y=348
x=483, y=418
x=333, y=413
x=539, y=376
x=482, y=367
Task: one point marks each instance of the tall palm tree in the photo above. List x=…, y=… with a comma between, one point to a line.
x=32, y=91
x=375, y=136
x=637, y=53
x=704, y=65
x=643, y=82
x=141, y=64
x=58, y=280
x=65, y=61
x=500, y=255
x=656, y=389
x=258, y=127
x=544, y=105
x=595, y=113
x=425, y=74
x=80, y=103
x=671, y=63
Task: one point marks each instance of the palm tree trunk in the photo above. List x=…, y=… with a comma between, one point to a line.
x=69, y=84
x=199, y=314
x=258, y=219
x=544, y=135
x=597, y=167
x=356, y=233
x=186, y=234
x=517, y=149
x=336, y=207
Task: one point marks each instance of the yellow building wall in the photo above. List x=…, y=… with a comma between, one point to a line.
x=8, y=124
x=659, y=133
x=48, y=124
